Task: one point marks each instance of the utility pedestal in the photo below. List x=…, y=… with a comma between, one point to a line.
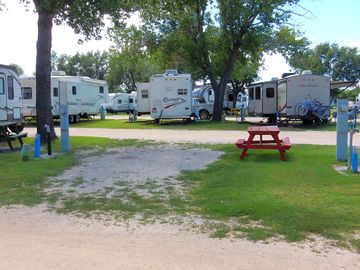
x=342, y=130
x=64, y=119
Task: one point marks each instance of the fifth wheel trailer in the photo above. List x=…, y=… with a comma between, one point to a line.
x=292, y=97
x=10, y=98
x=84, y=96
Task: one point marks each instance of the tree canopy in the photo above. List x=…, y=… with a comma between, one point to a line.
x=90, y=64
x=211, y=36
x=86, y=18
x=337, y=62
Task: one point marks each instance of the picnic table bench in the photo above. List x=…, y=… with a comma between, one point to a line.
x=282, y=144
x=9, y=136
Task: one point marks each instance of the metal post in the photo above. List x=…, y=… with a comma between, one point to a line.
x=355, y=112
x=242, y=113
x=102, y=112
x=48, y=138
x=342, y=130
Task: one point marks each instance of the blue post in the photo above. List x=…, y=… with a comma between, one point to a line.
x=37, y=145
x=64, y=126
x=342, y=130
x=354, y=159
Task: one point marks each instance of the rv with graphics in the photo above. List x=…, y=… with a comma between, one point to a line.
x=121, y=102
x=305, y=97
x=11, y=114
x=84, y=95
x=171, y=96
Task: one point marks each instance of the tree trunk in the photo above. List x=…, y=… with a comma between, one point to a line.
x=43, y=76
x=220, y=88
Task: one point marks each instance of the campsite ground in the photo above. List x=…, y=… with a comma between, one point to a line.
x=34, y=238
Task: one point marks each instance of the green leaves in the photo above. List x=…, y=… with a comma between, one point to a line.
x=339, y=63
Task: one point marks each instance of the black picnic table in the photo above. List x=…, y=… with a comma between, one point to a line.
x=11, y=135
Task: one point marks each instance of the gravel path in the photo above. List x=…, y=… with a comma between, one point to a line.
x=200, y=136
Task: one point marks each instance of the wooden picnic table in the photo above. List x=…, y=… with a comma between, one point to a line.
x=274, y=143
x=9, y=136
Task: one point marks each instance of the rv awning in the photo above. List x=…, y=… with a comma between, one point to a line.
x=341, y=84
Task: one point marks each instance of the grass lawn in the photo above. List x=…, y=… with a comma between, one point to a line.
x=179, y=124
x=295, y=198
x=301, y=196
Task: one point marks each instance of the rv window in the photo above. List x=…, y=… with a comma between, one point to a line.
x=144, y=93
x=251, y=93
x=210, y=92
x=55, y=92
x=131, y=100
x=2, y=86
x=270, y=92
x=26, y=92
x=10, y=87
x=257, y=93
x=74, y=90
x=101, y=89
x=182, y=92
x=119, y=101
x=231, y=97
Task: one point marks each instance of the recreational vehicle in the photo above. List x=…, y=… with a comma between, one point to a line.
x=143, y=98
x=84, y=95
x=121, y=102
x=170, y=96
x=305, y=97
x=206, y=96
x=11, y=115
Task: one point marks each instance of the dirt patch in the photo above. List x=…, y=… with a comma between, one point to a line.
x=155, y=167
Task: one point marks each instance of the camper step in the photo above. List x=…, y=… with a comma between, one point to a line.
x=240, y=142
x=286, y=142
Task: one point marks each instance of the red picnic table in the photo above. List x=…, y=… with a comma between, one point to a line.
x=274, y=143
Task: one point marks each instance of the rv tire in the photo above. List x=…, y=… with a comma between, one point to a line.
x=204, y=114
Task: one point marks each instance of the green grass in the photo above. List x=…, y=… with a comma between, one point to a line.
x=229, y=124
x=180, y=125
x=301, y=196
x=23, y=182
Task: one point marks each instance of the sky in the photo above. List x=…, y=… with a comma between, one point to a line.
x=334, y=21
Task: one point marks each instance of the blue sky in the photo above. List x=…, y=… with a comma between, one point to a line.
x=334, y=21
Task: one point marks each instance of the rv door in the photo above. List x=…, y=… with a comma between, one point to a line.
x=269, y=99
x=3, y=112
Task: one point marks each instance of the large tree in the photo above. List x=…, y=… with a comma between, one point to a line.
x=90, y=64
x=86, y=18
x=214, y=35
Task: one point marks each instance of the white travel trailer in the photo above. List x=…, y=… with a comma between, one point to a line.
x=170, y=96
x=10, y=99
x=305, y=97
x=121, y=102
x=143, y=98
x=206, y=96
x=84, y=96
